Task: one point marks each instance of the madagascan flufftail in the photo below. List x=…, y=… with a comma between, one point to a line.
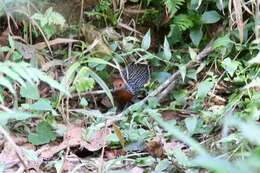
x=127, y=86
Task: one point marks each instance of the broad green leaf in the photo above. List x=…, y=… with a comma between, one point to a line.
x=84, y=83
x=161, y=76
x=15, y=115
x=230, y=66
x=196, y=36
x=193, y=54
x=40, y=105
x=43, y=135
x=191, y=124
x=222, y=42
x=166, y=49
x=30, y=91
x=203, y=88
x=180, y=96
x=146, y=42
x=209, y=17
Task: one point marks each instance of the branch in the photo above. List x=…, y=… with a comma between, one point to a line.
x=170, y=83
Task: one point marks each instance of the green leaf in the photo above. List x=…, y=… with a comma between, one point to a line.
x=180, y=96
x=209, y=17
x=83, y=102
x=84, y=83
x=101, y=83
x=183, y=70
x=193, y=54
x=30, y=91
x=6, y=83
x=15, y=115
x=180, y=156
x=40, y=105
x=101, y=61
x=161, y=76
x=191, y=124
x=203, y=88
x=11, y=42
x=11, y=74
x=146, y=40
x=44, y=134
x=145, y=161
x=53, y=83
x=230, y=66
x=183, y=22
x=166, y=49
x=196, y=36
x=222, y=42
x=173, y=6
x=162, y=165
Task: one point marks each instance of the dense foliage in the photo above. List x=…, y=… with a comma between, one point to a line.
x=198, y=113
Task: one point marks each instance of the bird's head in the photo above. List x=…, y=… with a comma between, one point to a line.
x=119, y=84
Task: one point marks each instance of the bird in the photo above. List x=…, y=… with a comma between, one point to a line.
x=127, y=86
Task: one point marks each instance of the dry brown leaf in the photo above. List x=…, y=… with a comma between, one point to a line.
x=43, y=45
x=73, y=138
x=119, y=135
x=155, y=147
x=172, y=115
x=8, y=156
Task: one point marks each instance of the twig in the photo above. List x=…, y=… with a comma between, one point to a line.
x=64, y=159
x=101, y=167
x=15, y=147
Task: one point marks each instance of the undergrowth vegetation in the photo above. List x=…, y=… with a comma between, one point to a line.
x=199, y=112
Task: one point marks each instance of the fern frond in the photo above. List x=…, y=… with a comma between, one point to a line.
x=183, y=22
x=23, y=74
x=173, y=5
